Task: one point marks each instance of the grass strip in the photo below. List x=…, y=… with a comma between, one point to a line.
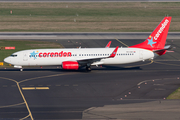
x=175, y=94
x=87, y=17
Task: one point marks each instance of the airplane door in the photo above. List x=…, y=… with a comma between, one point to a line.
x=25, y=56
x=141, y=54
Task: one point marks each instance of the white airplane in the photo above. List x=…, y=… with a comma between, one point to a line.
x=75, y=58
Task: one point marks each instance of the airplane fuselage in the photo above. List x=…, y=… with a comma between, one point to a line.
x=42, y=57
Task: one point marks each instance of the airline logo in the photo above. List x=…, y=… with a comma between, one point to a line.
x=49, y=54
x=34, y=55
x=150, y=41
x=55, y=54
x=163, y=25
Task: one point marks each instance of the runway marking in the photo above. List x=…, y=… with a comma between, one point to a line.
x=44, y=77
x=75, y=85
x=122, y=42
x=11, y=105
x=4, y=85
x=25, y=102
x=66, y=85
x=42, y=88
x=159, y=84
x=58, y=85
x=35, y=88
x=159, y=89
x=30, y=114
x=166, y=63
x=8, y=79
x=147, y=81
x=169, y=78
x=154, y=80
x=24, y=117
x=28, y=88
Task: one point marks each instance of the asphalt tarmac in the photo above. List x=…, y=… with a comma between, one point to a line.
x=133, y=91
x=88, y=1
x=78, y=36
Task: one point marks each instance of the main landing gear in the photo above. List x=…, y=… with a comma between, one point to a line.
x=88, y=68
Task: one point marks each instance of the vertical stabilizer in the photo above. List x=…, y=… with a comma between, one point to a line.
x=157, y=39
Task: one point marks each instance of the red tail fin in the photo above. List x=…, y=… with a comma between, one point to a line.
x=157, y=39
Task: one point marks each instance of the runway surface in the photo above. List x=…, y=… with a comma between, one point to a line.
x=90, y=0
x=77, y=36
x=133, y=91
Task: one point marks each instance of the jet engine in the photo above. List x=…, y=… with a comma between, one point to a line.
x=70, y=65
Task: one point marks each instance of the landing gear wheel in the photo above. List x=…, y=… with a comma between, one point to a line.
x=88, y=68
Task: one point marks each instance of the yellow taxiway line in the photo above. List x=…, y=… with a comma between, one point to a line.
x=42, y=88
x=35, y=88
x=28, y=88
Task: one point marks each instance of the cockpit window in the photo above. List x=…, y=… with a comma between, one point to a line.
x=14, y=55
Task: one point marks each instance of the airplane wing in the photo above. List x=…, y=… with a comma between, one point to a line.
x=92, y=60
x=108, y=45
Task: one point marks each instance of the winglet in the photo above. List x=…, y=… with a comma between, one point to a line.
x=113, y=54
x=108, y=45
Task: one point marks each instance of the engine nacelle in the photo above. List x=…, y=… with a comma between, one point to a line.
x=70, y=65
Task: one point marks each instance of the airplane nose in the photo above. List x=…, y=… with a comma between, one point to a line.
x=7, y=60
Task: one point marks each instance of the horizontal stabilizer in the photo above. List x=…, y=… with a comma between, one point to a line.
x=167, y=47
x=162, y=51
